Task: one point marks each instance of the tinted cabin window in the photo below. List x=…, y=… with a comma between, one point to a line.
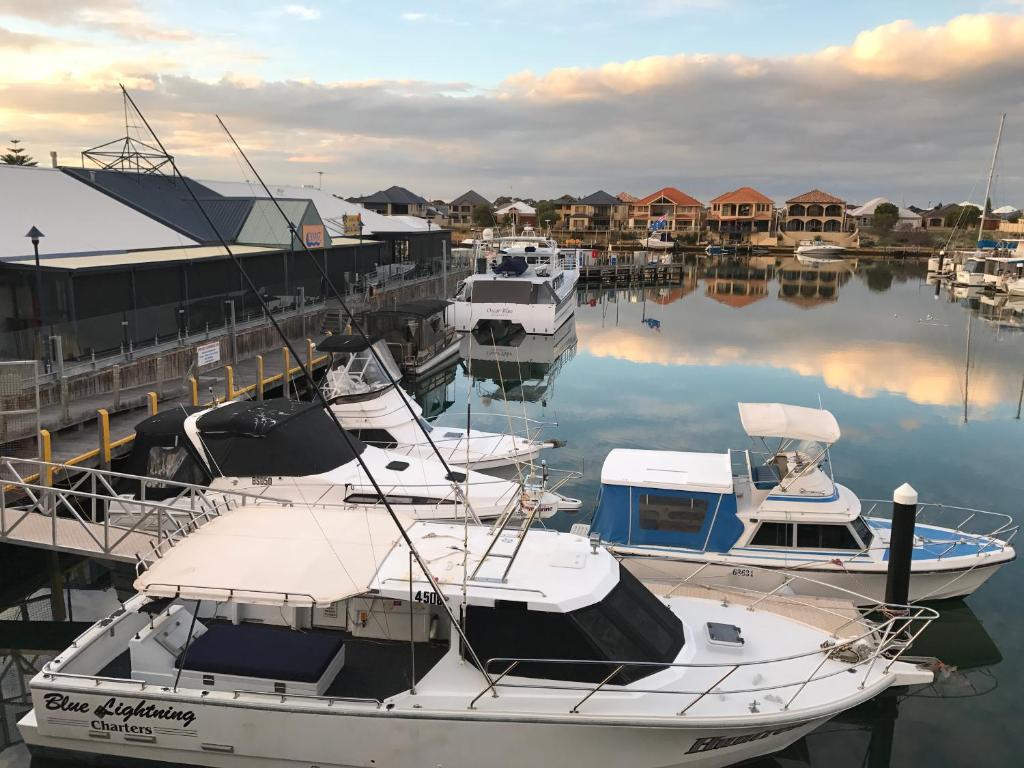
x=773, y=535
x=378, y=437
x=629, y=624
x=825, y=537
x=672, y=513
x=866, y=536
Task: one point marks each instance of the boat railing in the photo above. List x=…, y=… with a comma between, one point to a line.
x=988, y=531
x=328, y=700
x=882, y=644
x=83, y=495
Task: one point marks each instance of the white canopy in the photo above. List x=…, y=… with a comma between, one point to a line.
x=789, y=421
x=275, y=555
x=676, y=470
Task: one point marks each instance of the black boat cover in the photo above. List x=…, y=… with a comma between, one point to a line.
x=341, y=343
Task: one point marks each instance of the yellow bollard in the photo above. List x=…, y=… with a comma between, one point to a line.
x=46, y=455
x=103, y=424
x=195, y=391
x=259, y=377
x=229, y=382
x=286, y=376
x=151, y=396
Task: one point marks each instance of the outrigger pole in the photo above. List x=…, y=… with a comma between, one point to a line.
x=308, y=375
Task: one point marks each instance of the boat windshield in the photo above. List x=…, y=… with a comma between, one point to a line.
x=361, y=372
x=864, y=531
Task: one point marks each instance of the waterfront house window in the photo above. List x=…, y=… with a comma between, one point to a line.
x=773, y=535
x=814, y=536
x=672, y=513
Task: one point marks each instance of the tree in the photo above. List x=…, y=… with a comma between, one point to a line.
x=885, y=217
x=962, y=216
x=879, y=277
x=16, y=155
x=483, y=216
x=547, y=211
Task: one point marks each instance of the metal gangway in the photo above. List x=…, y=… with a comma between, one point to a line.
x=68, y=509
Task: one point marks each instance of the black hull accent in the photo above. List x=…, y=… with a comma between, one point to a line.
x=51, y=757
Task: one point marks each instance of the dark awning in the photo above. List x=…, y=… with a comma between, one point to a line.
x=417, y=307
x=342, y=343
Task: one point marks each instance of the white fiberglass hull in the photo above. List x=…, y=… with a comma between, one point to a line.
x=970, y=278
x=445, y=355
x=948, y=266
x=250, y=735
x=543, y=319
x=823, y=578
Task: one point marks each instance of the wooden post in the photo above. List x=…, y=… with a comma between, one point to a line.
x=152, y=398
x=195, y=390
x=103, y=427
x=229, y=383
x=259, y=378
x=286, y=376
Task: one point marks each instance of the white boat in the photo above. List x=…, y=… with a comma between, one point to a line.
x=750, y=519
x=377, y=411
x=298, y=637
x=1003, y=265
x=1015, y=287
x=660, y=240
x=971, y=272
x=942, y=264
x=529, y=285
x=416, y=333
x=818, y=250
x=294, y=452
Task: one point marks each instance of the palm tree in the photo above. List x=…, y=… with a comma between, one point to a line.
x=16, y=155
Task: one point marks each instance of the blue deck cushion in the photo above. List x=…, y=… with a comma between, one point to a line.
x=765, y=477
x=266, y=652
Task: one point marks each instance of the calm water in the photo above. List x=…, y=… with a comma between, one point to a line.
x=925, y=389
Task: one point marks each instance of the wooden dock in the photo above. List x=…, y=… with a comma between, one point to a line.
x=618, y=274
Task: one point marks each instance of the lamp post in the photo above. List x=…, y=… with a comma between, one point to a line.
x=35, y=234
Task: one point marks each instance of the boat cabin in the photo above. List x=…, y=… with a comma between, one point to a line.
x=415, y=331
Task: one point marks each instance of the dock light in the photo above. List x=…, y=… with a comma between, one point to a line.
x=35, y=234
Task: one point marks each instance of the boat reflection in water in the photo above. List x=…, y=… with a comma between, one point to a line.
x=518, y=367
x=865, y=737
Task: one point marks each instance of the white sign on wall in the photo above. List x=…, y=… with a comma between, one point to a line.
x=208, y=354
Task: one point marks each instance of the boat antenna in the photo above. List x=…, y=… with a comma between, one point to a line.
x=991, y=173
x=308, y=376
x=356, y=326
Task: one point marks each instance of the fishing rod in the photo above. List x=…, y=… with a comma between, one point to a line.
x=351, y=317
x=308, y=375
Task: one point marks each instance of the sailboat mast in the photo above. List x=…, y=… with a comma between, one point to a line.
x=991, y=173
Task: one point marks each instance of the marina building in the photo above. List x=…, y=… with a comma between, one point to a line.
x=681, y=212
x=743, y=215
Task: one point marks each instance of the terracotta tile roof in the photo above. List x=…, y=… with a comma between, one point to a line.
x=816, y=196
x=626, y=197
x=673, y=194
x=743, y=195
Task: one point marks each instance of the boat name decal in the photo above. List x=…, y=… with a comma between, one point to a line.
x=126, y=712
x=707, y=743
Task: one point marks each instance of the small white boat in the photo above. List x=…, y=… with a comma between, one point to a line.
x=1015, y=287
x=660, y=240
x=416, y=333
x=377, y=412
x=530, y=284
x=944, y=264
x=298, y=636
x=817, y=251
x=294, y=452
x=971, y=272
x=757, y=519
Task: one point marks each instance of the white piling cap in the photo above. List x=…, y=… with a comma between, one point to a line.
x=905, y=495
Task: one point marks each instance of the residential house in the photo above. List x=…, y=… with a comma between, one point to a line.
x=742, y=215
x=517, y=213
x=564, y=206
x=815, y=211
x=935, y=218
x=864, y=215
x=461, y=208
x=681, y=212
x=394, y=201
x=598, y=211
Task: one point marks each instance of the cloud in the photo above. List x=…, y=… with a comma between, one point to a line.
x=124, y=18
x=302, y=12
x=411, y=16
x=903, y=111
x=20, y=40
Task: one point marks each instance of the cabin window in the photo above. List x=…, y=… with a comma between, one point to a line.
x=862, y=529
x=773, y=535
x=372, y=498
x=502, y=292
x=378, y=437
x=672, y=513
x=814, y=536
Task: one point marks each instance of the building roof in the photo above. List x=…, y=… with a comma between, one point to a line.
x=600, y=198
x=516, y=205
x=131, y=258
x=743, y=195
x=472, y=197
x=816, y=196
x=75, y=218
x=868, y=209
x=1005, y=209
x=394, y=195
x=330, y=207
x=670, y=193
x=626, y=197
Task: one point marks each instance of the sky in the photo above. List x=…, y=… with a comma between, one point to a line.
x=538, y=98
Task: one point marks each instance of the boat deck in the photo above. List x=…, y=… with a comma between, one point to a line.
x=832, y=615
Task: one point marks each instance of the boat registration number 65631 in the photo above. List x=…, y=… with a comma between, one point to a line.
x=428, y=597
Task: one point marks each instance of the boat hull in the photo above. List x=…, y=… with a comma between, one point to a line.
x=261, y=736
x=667, y=568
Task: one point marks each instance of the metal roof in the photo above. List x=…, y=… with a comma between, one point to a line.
x=399, y=195
x=600, y=198
x=74, y=218
x=152, y=256
x=472, y=197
